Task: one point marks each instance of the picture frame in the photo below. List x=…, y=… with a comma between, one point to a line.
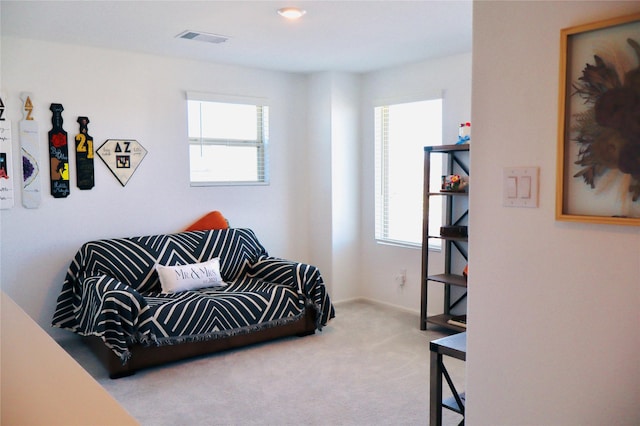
x=598, y=154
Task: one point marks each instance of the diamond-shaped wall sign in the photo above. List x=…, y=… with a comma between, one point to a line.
x=122, y=157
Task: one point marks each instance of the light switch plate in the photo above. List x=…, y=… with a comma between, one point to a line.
x=525, y=181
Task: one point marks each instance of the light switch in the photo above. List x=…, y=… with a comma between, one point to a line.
x=524, y=187
x=512, y=187
x=520, y=187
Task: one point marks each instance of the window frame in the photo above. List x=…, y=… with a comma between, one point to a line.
x=261, y=143
x=381, y=172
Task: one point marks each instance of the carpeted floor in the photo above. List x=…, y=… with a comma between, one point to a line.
x=369, y=366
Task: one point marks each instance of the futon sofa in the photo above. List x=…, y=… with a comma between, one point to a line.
x=128, y=297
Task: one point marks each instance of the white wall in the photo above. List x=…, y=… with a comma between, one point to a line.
x=309, y=212
x=318, y=164
x=449, y=77
x=554, y=307
x=334, y=177
x=136, y=96
x=345, y=150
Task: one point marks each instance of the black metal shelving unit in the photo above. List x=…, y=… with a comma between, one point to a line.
x=456, y=206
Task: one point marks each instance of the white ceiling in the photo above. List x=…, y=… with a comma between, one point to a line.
x=352, y=36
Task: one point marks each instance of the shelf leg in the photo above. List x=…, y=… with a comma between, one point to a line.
x=456, y=396
x=435, y=394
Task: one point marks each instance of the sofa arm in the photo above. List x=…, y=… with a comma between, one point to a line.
x=112, y=311
x=305, y=279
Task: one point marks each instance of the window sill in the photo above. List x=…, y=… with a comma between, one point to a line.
x=203, y=184
x=404, y=244
x=395, y=243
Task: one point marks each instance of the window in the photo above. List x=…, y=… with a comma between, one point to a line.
x=227, y=142
x=402, y=131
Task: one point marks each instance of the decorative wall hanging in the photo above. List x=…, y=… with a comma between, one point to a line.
x=6, y=168
x=58, y=154
x=84, y=156
x=122, y=157
x=598, y=176
x=29, y=139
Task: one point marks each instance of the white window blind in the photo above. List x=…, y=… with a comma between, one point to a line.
x=227, y=141
x=401, y=132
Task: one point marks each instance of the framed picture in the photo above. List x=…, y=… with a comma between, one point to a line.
x=598, y=176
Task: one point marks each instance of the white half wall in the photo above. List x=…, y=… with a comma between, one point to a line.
x=554, y=307
x=34, y=393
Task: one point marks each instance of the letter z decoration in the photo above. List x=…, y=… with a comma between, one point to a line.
x=29, y=141
x=122, y=157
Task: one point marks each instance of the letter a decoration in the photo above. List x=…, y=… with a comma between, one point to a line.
x=122, y=157
x=29, y=139
x=6, y=168
x=58, y=154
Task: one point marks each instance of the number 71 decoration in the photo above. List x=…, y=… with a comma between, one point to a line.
x=122, y=157
x=84, y=156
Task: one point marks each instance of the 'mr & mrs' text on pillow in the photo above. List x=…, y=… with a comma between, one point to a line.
x=190, y=277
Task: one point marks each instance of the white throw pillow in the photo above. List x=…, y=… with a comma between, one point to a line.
x=190, y=277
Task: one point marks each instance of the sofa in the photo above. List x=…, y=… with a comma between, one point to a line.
x=145, y=301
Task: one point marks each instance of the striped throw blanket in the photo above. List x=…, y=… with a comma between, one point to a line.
x=112, y=290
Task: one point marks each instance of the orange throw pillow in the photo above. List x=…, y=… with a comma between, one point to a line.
x=212, y=220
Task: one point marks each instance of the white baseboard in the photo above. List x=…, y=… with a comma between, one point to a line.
x=343, y=301
x=377, y=302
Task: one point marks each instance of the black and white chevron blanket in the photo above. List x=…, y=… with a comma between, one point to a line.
x=112, y=290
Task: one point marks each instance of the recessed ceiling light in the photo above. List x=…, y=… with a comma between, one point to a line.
x=291, y=12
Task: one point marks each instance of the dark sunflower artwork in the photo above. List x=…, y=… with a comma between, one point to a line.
x=599, y=146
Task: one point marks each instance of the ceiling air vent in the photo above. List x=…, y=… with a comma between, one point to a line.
x=200, y=36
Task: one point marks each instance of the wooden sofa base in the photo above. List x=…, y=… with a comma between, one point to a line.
x=144, y=356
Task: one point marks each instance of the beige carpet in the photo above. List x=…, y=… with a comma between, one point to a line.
x=369, y=366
